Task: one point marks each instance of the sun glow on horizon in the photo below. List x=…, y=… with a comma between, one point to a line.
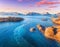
x=26, y=6
x=25, y=11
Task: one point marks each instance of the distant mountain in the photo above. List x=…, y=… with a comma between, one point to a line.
x=33, y=14
x=21, y=14
x=50, y=15
x=29, y=14
x=10, y=13
x=47, y=14
x=38, y=14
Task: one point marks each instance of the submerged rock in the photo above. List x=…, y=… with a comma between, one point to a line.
x=32, y=29
x=10, y=19
x=44, y=19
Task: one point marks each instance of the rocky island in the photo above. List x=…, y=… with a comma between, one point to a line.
x=51, y=32
x=10, y=19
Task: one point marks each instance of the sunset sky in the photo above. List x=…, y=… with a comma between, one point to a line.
x=26, y=6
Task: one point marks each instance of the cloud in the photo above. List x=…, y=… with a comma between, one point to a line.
x=52, y=6
x=48, y=9
x=26, y=0
x=46, y=3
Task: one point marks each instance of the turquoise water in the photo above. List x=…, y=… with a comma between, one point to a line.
x=17, y=34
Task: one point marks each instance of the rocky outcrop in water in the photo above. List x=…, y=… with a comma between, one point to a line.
x=32, y=29
x=52, y=32
x=10, y=19
x=56, y=20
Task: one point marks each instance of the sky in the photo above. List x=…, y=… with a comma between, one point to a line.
x=26, y=6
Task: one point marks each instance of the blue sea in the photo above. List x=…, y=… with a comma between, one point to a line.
x=17, y=34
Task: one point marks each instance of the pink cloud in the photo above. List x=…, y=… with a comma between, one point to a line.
x=52, y=6
x=48, y=9
x=46, y=3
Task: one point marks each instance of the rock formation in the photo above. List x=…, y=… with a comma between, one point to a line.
x=51, y=32
x=32, y=29
x=10, y=19
x=56, y=20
